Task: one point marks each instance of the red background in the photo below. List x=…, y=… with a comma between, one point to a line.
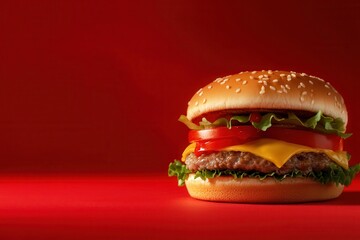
x=96, y=88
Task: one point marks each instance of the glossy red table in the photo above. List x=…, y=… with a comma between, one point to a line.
x=153, y=207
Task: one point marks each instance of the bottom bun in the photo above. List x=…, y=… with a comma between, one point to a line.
x=253, y=190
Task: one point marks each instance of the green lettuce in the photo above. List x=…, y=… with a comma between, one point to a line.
x=334, y=174
x=179, y=170
x=318, y=122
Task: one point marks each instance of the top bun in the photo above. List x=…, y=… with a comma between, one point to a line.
x=268, y=90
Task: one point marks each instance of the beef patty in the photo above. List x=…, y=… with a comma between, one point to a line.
x=245, y=161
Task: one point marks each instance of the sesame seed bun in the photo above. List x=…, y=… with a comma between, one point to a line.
x=267, y=90
x=253, y=190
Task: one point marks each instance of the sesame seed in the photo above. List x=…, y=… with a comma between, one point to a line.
x=218, y=80
x=201, y=93
x=304, y=93
x=265, y=83
x=318, y=78
x=329, y=93
x=224, y=81
x=302, y=98
x=244, y=82
x=265, y=78
x=237, y=79
x=303, y=74
x=251, y=77
x=311, y=82
x=262, y=91
x=200, y=90
x=282, y=75
x=275, y=80
x=272, y=88
x=283, y=88
x=228, y=87
x=260, y=81
x=260, y=76
x=288, y=77
x=293, y=75
x=312, y=102
x=302, y=84
x=279, y=91
x=196, y=103
x=253, y=72
x=287, y=86
x=237, y=90
x=270, y=72
x=327, y=86
x=240, y=72
x=266, y=75
x=209, y=87
x=204, y=101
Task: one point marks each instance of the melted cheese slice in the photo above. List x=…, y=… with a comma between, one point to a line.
x=277, y=152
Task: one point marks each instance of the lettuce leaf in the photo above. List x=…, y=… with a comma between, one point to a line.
x=266, y=121
x=334, y=174
x=179, y=170
x=318, y=122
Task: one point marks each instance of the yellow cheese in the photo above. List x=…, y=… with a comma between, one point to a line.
x=277, y=152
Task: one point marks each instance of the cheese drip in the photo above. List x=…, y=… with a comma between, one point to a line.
x=278, y=152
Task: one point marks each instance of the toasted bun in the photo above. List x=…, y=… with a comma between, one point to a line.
x=253, y=190
x=266, y=90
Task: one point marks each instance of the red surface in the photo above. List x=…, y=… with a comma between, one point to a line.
x=152, y=207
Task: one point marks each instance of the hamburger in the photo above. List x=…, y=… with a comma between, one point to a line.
x=265, y=136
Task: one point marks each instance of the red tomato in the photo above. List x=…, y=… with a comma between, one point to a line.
x=306, y=137
x=213, y=146
x=210, y=140
x=241, y=133
x=214, y=139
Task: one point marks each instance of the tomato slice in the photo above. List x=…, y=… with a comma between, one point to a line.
x=214, y=139
x=306, y=138
x=241, y=133
x=214, y=146
x=210, y=140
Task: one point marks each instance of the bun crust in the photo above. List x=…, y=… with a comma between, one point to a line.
x=267, y=90
x=252, y=190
